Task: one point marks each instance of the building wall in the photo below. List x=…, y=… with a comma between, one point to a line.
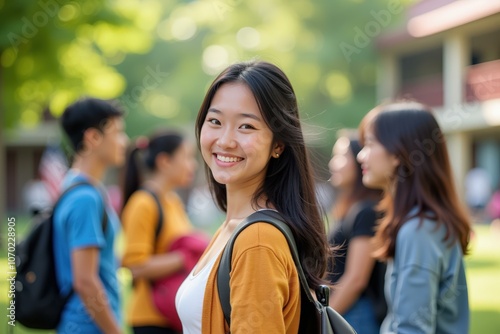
x=464, y=91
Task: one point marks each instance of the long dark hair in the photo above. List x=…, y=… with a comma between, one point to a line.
x=423, y=178
x=162, y=142
x=289, y=183
x=359, y=192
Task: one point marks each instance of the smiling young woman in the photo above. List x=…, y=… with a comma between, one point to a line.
x=249, y=134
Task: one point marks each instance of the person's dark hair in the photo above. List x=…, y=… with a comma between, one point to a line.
x=423, y=178
x=289, y=183
x=360, y=192
x=141, y=157
x=84, y=114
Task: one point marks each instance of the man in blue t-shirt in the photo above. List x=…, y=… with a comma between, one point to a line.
x=83, y=248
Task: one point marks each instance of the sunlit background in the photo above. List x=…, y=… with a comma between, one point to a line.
x=157, y=58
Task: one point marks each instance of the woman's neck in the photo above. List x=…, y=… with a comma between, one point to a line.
x=159, y=184
x=240, y=203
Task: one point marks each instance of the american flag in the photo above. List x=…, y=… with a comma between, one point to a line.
x=52, y=168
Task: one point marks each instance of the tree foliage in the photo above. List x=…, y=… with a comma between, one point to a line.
x=158, y=57
x=52, y=51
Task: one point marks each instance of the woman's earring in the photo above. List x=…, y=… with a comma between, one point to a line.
x=277, y=155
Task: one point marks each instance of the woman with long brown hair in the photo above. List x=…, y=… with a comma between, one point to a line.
x=251, y=140
x=424, y=233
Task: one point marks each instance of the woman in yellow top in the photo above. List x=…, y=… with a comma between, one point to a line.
x=159, y=165
x=250, y=136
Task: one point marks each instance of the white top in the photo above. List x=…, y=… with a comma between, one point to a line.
x=189, y=298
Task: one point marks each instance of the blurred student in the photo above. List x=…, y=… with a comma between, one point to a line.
x=477, y=192
x=250, y=136
x=357, y=278
x=424, y=233
x=494, y=206
x=155, y=167
x=83, y=247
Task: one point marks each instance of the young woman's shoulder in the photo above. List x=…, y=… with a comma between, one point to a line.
x=417, y=228
x=367, y=212
x=421, y=240
x=138, y=203
x=83, y=194
x=262, y=236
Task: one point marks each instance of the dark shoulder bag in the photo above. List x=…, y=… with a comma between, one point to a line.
x=316, y=316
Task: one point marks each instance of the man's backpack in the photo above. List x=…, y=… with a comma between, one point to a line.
x=316, y=316
x=38, y=301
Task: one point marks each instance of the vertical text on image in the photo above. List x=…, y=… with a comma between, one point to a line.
x=11, y=269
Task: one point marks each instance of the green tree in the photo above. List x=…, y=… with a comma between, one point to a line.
x=326, y=48
x=53, y=51
x=159, y=56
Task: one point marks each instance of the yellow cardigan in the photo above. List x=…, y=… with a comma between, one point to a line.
x=139, y=219
x=265, y=288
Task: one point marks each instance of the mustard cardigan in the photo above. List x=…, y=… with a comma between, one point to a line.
x=265, y=288
x=139, y=219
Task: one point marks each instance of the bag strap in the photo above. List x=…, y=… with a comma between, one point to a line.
x=80, y=183
x=337, y=323
x=159, y=224
x=223, y=274
x=104, y=214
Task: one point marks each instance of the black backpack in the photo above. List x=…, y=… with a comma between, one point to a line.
x=37, y=298
x=316, y=316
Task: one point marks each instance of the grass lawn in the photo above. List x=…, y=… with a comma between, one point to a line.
x=483, y=275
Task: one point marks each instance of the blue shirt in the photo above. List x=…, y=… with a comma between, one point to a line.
x=425, y=283
x=78, y=224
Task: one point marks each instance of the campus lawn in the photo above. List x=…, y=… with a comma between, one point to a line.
x=483, y=274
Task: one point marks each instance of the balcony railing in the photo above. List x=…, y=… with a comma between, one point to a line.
x=483, y=81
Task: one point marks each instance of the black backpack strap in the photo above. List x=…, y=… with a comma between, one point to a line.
x=104, y=214
x=223, y=274
x=159, y=225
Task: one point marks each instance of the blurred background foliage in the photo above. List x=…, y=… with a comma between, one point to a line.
x=159, y=56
